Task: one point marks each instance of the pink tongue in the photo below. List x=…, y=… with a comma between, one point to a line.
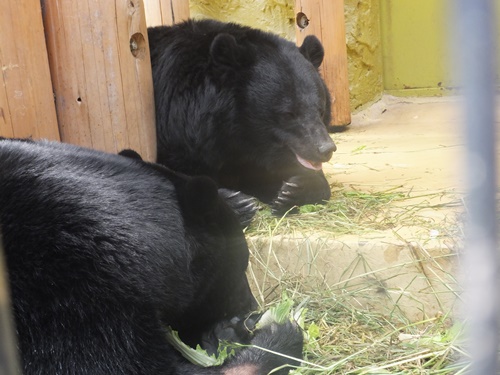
x=317, y=166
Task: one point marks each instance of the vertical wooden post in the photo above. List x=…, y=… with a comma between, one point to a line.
x=9, y=363
x=325, y=19
x=26, y=100
x=166, y=12
x=101, y=73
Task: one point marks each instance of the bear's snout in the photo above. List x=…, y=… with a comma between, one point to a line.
x=326, y=150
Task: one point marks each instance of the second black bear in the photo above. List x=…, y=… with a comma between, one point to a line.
x=245, y=107
x=103, y=252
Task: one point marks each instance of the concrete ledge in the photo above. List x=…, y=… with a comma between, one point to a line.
x=412, y=280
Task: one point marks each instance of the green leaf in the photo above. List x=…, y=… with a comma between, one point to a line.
x=283, y=312
x=313, y=331
x=309, y=208
x=277, y=314
x=280, y=313
x=197, y=356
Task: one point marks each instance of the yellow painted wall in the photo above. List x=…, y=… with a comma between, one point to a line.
x=401, y=47
x=270, y=15
x=416, y=48
x=362, y=35
x=364, y=51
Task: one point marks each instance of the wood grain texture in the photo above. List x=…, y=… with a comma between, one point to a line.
x=166, y=12
x=8, y=339
x=26, y=101
x=101, y=73
x=326, y=21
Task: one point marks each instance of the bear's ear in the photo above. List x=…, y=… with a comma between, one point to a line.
x=312, y=50
x=226, y=51
x=128, y=153
x=201, y=195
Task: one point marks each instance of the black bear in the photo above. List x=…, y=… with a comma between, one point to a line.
x=104, y=252
x=245, y=107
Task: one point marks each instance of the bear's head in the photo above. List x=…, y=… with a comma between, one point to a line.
x=217, y=248
x=224, y=254
x=282, y=103
x=218, y=256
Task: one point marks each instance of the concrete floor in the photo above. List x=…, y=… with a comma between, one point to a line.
x=402, y=142
x=414, y=145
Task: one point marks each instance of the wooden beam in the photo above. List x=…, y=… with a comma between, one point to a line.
x=8, y=339
x=26, y=100
x=166, y=12
x=101, y=73
x=325, y=19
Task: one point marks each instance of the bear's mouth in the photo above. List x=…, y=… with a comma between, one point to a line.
x=309, y=164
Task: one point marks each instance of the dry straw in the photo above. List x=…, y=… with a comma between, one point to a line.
x=343, y=338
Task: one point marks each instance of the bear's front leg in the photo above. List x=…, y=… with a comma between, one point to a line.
x=243, y=205
x=310, y=187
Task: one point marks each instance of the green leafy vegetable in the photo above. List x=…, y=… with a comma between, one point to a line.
x=198, y=356
x=279, y=313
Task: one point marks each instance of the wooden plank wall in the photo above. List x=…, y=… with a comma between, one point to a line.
x=101, y=74
x=325, y=19
x=26, y=100
x=166, y=12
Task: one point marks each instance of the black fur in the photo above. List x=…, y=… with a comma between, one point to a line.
x=243, y=205
x=104, y=251
x=239, y=105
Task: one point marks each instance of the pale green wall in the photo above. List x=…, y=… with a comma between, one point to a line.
x=416, y=48
x=417, y=38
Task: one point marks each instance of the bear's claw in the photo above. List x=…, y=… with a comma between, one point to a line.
x=243, y=205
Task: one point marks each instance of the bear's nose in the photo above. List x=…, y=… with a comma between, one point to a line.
x=326, y=150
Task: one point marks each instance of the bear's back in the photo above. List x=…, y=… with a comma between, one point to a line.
x=72, y=202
